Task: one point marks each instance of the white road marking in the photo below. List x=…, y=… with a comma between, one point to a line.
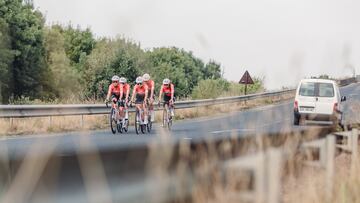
x=233, y=130
x=187, y=138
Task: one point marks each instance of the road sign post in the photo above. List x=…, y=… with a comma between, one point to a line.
x=246, y=79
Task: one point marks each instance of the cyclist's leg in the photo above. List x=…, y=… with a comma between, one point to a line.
x=121, y=109
x=145, y=112
x=138, y=108
x=167, y=103
x=151, y=107
x=126, y=112
x=115, y=99
x=165, y=113
x=172, y=113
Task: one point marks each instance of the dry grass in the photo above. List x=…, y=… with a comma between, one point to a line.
x=226, y=108
x=21, y=126
x=309, y=184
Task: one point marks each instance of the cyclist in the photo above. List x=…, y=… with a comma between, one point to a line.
x=125, y=97
x=141, y=93
x=168, y=89
x=151, y=96
x=115, y=91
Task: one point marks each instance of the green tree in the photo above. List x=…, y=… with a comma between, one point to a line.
x=65, y=80
x=212, y=70
x=111, y=57
x=29, y=71
x=78, y=44
x=182, y=68
x=6, y=59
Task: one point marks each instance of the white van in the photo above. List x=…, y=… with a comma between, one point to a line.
x=317, y=100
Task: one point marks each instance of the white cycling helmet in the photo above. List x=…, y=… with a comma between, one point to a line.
x=166, y=81
x=115, y=78
x=122, y=80
x=139, y=80
x=146, y=77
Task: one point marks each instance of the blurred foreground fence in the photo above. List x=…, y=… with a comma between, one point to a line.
x=246, y=168
x=170, y=169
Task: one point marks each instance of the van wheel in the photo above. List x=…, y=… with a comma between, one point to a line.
x=296, y=120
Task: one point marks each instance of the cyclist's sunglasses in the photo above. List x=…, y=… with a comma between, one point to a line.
x=115, y=81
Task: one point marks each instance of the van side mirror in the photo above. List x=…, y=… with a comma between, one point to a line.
x=343, y=98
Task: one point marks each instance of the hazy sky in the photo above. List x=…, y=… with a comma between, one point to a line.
x=281, y=40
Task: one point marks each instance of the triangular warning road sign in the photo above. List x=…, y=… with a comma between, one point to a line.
x=246, y=79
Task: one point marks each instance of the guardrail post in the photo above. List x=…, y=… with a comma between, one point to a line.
x=82, y=121
x=274, y=175
x=330, y=154
x=50, y=121
x=11, y=122
x=354, y=150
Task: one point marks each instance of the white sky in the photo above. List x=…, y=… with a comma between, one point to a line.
x=282, y=40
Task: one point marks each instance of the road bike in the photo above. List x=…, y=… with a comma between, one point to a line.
x=115, y=125
x=139, y=121
x=167, y=118
x=149, y=124
x=124, y=122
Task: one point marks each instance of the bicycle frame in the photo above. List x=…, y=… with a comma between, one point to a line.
x=166, y=115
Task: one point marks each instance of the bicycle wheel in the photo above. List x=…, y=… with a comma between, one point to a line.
x=112, y=121
x=143, y=128
x=137, y=123
x=126, y=127
x=119, y=127
x=149, y=125
x=164, y=120
x=169, y=121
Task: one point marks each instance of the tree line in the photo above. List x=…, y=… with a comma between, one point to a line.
x=59, y=62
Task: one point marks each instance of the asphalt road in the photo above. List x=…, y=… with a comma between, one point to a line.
x=267, y=119
x=70, y=177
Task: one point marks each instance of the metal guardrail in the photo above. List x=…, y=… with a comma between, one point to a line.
x=347, y=81
x=22, y=111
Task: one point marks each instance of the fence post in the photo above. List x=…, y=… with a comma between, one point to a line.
x=260, y=178
x=354, y=150
x=274, y=175
x=330, y=154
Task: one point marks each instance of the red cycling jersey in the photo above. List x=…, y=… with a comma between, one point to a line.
x=150, y=84
x=115, y=90
x=126, y=87
x=140, y=90
x=167, y=90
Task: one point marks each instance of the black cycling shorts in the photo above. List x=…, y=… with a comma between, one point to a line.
x=117, y=97
x=139, y=99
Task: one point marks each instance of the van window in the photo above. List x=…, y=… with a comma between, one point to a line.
x=307, y=89
x=312, y=89
x=326, y=90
